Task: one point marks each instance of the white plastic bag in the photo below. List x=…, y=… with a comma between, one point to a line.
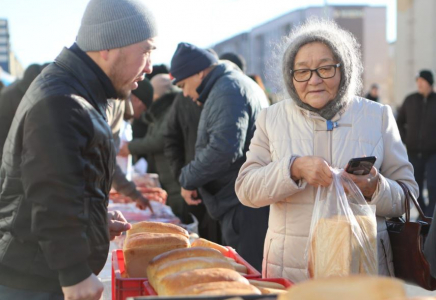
x=343, y=231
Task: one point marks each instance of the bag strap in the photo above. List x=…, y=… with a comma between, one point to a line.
x=409, y=197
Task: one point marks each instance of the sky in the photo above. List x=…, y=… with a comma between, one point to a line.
x=39, y=29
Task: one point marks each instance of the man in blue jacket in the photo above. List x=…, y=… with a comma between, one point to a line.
x=231, y=102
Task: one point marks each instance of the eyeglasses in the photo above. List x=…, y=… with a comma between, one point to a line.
x=323, y=72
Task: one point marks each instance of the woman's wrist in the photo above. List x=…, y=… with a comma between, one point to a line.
x=295, y=170
x=374, y=184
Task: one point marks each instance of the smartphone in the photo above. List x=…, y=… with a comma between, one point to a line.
x=360, y=165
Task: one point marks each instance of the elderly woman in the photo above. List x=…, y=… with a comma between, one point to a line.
x=322, y=125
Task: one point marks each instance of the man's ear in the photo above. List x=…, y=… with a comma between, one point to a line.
x=104, y=54
x=202, y=74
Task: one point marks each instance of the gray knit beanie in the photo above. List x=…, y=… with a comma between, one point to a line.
x=110, y=24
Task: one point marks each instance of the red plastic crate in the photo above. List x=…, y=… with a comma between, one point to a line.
x=252, y=273
x=122, y=288
x=149, y=290
x=130, y=287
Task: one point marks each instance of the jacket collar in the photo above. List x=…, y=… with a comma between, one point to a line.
x=321, y=124
x=209, y=81
x=97, y=89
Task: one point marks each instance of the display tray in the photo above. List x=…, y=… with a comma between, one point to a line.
x=149, y=290
x=245, y=297
x=129, y=287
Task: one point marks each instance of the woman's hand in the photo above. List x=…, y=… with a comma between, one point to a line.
x=313, y=169
x=366, y=183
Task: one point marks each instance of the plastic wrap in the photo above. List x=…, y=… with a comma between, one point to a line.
x=343, y=231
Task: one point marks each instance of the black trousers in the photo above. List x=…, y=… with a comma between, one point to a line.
x=425, y=170
x=244, y=229
x=208, y=228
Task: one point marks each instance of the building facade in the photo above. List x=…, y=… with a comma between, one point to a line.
x=367, y=23
x=415, y=48
x=4, y=45
x=8, y=60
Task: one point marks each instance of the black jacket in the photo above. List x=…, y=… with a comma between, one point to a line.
x=55, y=179
x=232, y=102
x=181, y=133
x=10, y=98
x=417, y=123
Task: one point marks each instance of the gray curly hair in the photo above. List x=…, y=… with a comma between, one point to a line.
x=345, y=49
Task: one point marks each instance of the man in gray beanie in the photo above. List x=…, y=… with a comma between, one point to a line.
x=59, y=157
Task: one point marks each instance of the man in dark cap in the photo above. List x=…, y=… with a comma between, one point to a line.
x=59, y=157
x=141, y=99
x=231, y=102
x=417, y=124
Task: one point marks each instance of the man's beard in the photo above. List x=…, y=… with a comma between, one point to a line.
x=123, y=94
x=117, y=80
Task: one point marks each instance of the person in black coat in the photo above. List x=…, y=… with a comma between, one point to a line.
x=180, y=138
x=417, y=125
x=59, y=157
x=10, y=98
x=373, y=93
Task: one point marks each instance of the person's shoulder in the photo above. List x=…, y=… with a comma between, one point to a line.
x=62, y=105
x=412, y=96
x=360, y=104
x=280, y=107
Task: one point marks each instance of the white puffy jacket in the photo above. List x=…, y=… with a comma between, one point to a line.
x=285, y=130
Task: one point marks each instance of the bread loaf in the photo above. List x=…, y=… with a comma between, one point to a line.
x=208, y=244
x=187, y=264
x=156, y=227
x=266, y=284
x=140, y=248
x=239, y=268
x=337, y=251
x=171, y=285
x=356, y=287
x=176, y=254
x=331, y=249
x=220, y=288
x=369, y=259
x=266, y=291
